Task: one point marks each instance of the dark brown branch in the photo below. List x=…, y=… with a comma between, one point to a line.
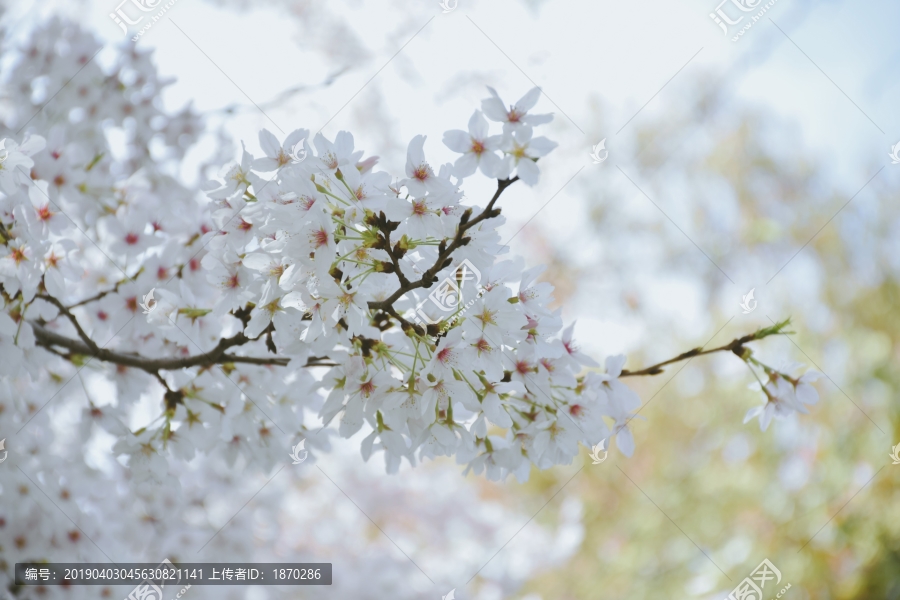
x=104, y=293
x=85, y=346
x=394, y=253
x=404, y=324
x=736, y=346
x=657, y=368
x=459, y=240
x=65, y=311
x=217, y=356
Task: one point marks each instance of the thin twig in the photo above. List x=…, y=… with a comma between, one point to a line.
x=104, y=293
x=92, y=346
x=736, y=346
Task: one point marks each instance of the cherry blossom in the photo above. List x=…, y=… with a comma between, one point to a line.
x=784, y=395
x=206, y=331
x=324, y=261
x=516, y=117
x=523, y=150
x=478, y=148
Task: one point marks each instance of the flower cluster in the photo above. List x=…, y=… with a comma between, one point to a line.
x=783, y=394
x=332, y=253
x=387, y=298
x=87, y=229
x=307, y=288
x=70, y=202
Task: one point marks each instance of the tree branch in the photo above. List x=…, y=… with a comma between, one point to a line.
x=217, y=356
x=65, y=311
x=736, y=346
x=459, y=240
x=87, y=347
x=105, y=293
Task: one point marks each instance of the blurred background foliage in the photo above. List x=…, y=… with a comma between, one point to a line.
x=705, y=495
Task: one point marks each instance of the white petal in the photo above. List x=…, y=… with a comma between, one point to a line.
x=752, y=413
x=443, y=435
x=294, y=300
x=768, y=413
x=269, y=143
x=259, y=320
x=493, y=109
x=533, y=120
x=807, y=394
x=343, y=143
x=528, y=101
x=258, y=261
x=295, y=136
x=7, y=325
x=505, y=167
x=415, y=154
x=352, y=420
x=465, y=165
x=478, y=125
x=523, y=135
x=528, y=172
x=540, y=146
x=494, y=411
x=458, y=140
x=265, y=164
x=366, y=445
x=491, y=165
x=614, y=365
x=625, y=442
x=32, y=144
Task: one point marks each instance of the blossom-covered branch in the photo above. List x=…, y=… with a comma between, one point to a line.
x=444, y=258
x=49, y=339
x=308, y=256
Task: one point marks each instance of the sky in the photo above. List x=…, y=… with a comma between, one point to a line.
x=836, y=75
x=828, y=70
